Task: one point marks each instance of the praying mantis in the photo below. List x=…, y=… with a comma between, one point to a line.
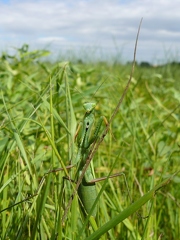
x=87, y=189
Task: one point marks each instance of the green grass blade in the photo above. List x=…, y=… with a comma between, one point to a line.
x=130, y=210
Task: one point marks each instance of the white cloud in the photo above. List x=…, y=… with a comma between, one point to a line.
x=51, y=39
x=93, y=23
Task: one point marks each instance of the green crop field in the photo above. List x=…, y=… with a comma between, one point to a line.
x=41, y=106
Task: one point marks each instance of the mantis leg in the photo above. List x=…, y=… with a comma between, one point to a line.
x=113, y=176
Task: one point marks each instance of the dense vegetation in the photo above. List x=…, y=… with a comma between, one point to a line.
x=41, y=104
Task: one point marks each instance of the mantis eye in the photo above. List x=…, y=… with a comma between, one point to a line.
x=87, y=126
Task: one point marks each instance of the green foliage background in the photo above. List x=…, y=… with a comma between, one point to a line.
x=41, y=104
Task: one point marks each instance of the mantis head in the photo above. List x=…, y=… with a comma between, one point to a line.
x=89, y=106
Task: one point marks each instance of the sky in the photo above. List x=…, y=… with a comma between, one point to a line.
x=93, y=29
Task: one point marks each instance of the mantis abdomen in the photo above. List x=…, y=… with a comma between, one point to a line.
x=87, y=194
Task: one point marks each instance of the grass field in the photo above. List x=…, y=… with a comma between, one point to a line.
x=41, y=105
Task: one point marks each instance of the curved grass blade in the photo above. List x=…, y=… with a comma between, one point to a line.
x=130, y=210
